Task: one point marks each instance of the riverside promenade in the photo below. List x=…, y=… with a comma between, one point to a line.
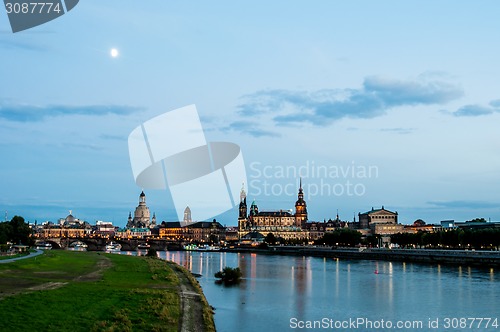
x=467, y=257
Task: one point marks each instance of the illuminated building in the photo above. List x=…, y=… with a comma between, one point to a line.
x=142, y=216
x=282, y=223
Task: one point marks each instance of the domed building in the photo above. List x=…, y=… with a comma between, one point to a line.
x=142, y=216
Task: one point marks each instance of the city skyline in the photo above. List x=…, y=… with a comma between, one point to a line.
x=406, y=90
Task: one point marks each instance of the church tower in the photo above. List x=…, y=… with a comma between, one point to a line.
x=300, y=208
x=187, y=215
x=242, y=216
x=153, y=220
x=130, y=220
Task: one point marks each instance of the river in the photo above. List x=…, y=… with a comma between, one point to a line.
x=283, y=293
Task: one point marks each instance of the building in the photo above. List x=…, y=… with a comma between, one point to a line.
x=69, y=227
x=377, y=216
x=172, y=230
x=420, y=226
x=282, y=223
x=316, y=229
x=104, y=229
x=142, y=216
x=380, y=222
x=187, y=215
x=199, y=232
x=134, y=233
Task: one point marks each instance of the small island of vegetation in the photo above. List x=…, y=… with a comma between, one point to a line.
x=229, y=276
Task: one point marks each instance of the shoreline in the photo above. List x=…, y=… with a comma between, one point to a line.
x=427, y=256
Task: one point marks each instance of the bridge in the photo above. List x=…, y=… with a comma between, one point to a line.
x=99, y=244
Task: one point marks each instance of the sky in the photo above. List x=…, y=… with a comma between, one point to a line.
x=372, y=103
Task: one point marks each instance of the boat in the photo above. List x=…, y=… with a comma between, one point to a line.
x=143, y=246
x=113, y=246
x=78, y=245
x=44, y=246
x=207, y=248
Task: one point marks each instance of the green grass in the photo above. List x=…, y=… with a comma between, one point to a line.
x=101, y=292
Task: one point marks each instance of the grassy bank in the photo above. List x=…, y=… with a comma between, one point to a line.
x=89, y=291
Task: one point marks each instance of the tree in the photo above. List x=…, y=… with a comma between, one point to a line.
x=229, y=276
x=16, y=231
x=20, y=231
x=477, y=220
x=341, y=237
x=270, y=238
x=5, y=232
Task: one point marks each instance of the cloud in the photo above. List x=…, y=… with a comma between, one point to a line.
x=401, y=131
x=113, y=137
x=478, y=110
x=31, y=113
x=475, y=205
x=250, y=128
x=322, y=107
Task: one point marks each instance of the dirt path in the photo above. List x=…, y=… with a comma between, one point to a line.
x=191, y=306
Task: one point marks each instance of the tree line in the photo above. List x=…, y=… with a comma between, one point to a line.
x=485, y=238
x=15, y=231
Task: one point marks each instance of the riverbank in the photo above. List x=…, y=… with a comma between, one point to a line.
x=465, y=257
x=91, y=291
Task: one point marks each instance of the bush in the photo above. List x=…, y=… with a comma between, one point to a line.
x=229, y=275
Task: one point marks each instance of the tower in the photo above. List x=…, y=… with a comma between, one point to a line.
x=187, y=215
x=242, y=216
x=300, y=208
x=254, y=211
x=153, y=220
x=130, y=220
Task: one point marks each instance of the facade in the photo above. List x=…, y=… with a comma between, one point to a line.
x=316, y=229
x=200, y=232
x=69, y=227
x=377, y=216
x=134, y=233
x=282, y=223
x=104, y=229
x=142, y=216
x=172, y=230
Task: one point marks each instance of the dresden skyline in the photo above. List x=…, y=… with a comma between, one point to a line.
x=407, y=89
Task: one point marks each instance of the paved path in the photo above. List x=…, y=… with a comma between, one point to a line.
x=37, y=253
x=191, y=305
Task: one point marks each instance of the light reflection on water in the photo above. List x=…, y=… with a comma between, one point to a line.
x=278, y=288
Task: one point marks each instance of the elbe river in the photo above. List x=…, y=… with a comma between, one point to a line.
x=289, y=293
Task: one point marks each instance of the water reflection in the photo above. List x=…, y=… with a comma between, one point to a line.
x=278, y=288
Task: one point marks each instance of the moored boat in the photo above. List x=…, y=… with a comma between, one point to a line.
x=143, y=246
x=113, y=246
x=44, y=246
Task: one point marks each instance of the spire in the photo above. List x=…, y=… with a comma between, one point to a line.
x=301, y=192
x=243, y=194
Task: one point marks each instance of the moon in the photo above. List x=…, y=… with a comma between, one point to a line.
x=114, y=53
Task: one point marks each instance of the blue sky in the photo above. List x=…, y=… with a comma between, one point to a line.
x=409, y=89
